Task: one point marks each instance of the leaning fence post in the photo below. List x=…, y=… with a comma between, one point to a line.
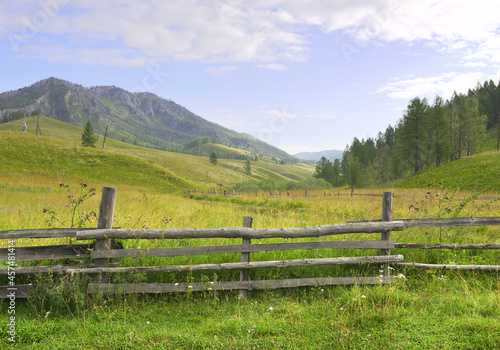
x=105, y=221
x=386, y=236
x=245, y=257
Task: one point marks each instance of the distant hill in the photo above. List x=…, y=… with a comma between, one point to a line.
x=189, y=170
x=141, y=118
x=316, y=156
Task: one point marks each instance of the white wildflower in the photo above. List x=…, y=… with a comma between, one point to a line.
x=401, y=276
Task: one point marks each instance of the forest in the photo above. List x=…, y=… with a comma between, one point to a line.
x=429, y=134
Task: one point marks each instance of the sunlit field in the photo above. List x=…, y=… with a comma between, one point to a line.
x=423, y=309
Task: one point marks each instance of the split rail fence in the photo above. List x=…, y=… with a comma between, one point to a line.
x=96, y=256
x=314, y=194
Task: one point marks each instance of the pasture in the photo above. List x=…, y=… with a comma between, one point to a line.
x=424, y=309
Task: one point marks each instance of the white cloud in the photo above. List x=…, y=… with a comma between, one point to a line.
x=222, y=70
x=273, y=66
x=267, y=33
x=474, y=64
x=443, y=85
x=191, y=30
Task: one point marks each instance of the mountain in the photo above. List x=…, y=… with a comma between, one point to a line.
x=316, y=156
x=134, y=117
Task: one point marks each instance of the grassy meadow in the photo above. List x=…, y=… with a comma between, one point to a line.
x=424, y=309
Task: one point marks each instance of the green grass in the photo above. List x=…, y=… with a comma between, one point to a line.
x=28, y=156
x=194, y=169
x=476, y=173
x=426, y=309
x=424, y=313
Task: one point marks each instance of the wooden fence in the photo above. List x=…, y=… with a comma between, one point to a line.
x=102, y=248
x=313, y=194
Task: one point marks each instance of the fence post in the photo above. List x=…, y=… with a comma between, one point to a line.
x=105, y=221
x=386, y=236
x=245, y=257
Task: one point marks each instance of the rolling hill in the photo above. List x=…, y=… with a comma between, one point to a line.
x=65, y=157
x=316, y=156
x=134, y=117
x=476, y=173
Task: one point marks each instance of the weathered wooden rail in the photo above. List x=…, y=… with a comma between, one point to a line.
x=308, y=194
x=93, y=258
x=246, y=234
x=101, y=250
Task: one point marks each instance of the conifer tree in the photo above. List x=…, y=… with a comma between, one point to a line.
x=213, y=158
x=88, y=137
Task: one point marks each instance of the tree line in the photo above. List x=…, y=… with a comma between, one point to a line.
x=12, y=116
x=428, y=135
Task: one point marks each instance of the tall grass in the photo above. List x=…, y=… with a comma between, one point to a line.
x=424, y=309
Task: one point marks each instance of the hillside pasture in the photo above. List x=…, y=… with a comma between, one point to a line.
x=424, y=309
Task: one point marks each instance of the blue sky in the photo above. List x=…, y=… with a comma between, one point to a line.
x=303, y=75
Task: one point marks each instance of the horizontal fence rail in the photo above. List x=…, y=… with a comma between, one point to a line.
x=452, y=267
x=49, y=252
x=156, y=288
x=93, y=258
x=222, y=266
x=42, y=233
x=444, y=222
x=238, y=248
x=324, y=194
x=243, y=232
x=449, y=246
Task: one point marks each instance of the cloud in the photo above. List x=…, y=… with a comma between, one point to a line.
x=273, y=66
x=443, y=85
x=267, y=33
x=214, y=31
x=222, y=70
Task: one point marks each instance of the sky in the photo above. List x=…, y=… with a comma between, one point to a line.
x=306, y=75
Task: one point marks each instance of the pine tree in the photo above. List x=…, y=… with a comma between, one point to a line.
x=413, y=133
x=213, y=158
x=248, y=167
x=324, y=170
x=88, y=136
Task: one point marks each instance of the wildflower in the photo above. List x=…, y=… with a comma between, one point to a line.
x=322, y=290
x=147, y=322
x=270, y=309
x=176, y=284
x=363, y=297
x=341, y=308
x=190, y=286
